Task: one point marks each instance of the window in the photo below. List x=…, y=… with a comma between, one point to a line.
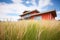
x=37, y=17
x=28, y=15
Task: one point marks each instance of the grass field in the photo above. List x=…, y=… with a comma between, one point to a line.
x=30, y=30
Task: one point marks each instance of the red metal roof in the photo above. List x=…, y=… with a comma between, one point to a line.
x=53, y=12
x=28, y=12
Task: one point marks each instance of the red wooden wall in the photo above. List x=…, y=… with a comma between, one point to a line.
x=46, y=16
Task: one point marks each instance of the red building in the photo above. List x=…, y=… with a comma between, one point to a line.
x=36, y=15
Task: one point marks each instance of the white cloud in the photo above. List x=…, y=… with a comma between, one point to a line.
x=58, y=12
x=9, y=18
x=44, y=3
x=18, y=8
x=57, y=18
x=16, y=1
x=58, y=15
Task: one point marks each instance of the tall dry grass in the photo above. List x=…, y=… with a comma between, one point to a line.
x=30, y=30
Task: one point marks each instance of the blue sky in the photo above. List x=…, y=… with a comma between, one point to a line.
x=10, y=9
